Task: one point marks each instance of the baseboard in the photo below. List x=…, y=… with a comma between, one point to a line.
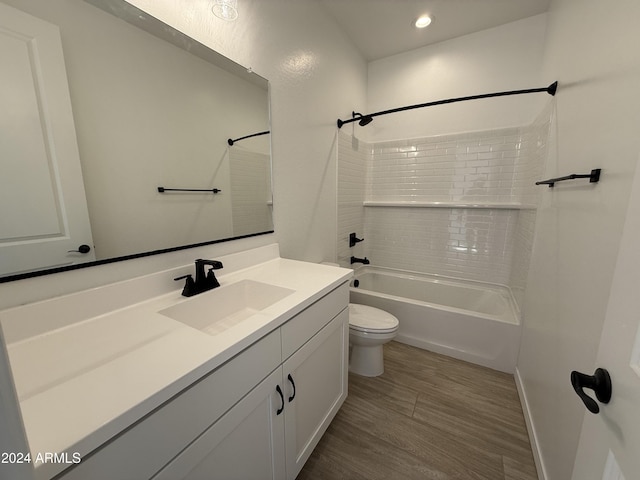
x=533, y=439
x=499, y=364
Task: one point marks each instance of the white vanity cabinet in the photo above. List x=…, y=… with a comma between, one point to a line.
x=319, y=372
x=258, y=416
x=246, y=443
x=268, y=434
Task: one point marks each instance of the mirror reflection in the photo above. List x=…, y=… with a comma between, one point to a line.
x=92, y=128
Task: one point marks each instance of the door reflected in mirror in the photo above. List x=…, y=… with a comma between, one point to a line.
x=123, y=106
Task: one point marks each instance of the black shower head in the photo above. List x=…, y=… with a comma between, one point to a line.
x=366, y=120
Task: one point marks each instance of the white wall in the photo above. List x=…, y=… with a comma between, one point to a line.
x=316, y=76
x=499, y=59
x=592, y=51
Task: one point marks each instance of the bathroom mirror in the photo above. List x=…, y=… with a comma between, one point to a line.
x=152, y=110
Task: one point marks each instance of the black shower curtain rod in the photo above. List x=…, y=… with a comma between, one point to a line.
x=366, y=119
x=231, y=142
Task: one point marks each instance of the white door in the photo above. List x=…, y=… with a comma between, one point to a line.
x=609, y=447
x=43, y=209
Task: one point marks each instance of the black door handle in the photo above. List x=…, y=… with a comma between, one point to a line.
x=599, y=382
x=293, y=395
x=81, y=249
x=279, y=390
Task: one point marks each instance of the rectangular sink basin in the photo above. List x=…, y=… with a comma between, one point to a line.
x=224, y=307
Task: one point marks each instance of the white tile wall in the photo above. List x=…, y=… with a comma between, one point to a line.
x=467, y=243
x=353, y=157
x=251, y=200
x=488, y=167
x=522, y=242
x=491, y=166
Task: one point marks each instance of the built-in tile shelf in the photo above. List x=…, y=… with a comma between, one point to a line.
x=422, y=204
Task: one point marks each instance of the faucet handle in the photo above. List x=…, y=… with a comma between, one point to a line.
x=189, y=286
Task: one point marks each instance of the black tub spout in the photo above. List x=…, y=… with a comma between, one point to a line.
x=364, y=261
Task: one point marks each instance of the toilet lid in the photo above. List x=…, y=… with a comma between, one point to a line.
x=369, y=319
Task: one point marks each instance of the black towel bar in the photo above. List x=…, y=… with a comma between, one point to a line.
x=210, y=190
x=593, y=177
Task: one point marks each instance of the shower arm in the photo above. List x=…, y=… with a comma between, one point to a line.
x=365, y=119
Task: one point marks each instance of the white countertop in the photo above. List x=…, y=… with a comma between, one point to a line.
x=83, y=382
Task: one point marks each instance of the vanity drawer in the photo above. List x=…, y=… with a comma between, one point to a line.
x=307, y=323
x=142, y=450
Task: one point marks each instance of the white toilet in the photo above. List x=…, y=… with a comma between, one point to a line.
x=369, y=329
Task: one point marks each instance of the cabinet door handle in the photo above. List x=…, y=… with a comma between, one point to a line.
x=293, y=395
x=279, y=390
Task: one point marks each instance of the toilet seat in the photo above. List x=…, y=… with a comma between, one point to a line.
x=363, y=318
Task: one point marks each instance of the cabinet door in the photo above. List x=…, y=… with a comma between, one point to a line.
x=316, y=386
x=246, y=443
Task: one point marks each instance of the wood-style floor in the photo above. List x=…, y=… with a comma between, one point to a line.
x=427, y=417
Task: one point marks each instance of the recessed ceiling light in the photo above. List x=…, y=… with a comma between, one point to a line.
x=423, y=21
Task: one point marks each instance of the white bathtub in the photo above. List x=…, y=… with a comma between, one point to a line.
x=473, y=321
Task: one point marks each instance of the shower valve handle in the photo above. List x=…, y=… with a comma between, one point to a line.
x=353, y=239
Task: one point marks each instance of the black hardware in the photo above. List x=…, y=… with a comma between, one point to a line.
x=293, y=395
x=231, y=142
x=366, y=119
x=356, y=283
x=200, y=276
x=353, y=240
x=599, y=382
x=203, y=282
x=364, y=261
x=189, y=285
x=279, y=390
x=593, y=177
x=210, y=190
x=81, y=249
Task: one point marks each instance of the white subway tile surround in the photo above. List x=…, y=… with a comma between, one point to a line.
x=466, y=243
x=482, y=183
x=251, y=200
x=494, y=166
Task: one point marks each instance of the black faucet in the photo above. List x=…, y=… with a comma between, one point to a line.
x=364, y=261
x=203, y=282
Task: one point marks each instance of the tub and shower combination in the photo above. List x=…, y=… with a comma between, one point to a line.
x=473, y=321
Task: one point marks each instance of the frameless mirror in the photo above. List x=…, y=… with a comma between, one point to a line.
x=114, y=139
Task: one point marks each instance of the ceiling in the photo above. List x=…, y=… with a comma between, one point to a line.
x=380, y=28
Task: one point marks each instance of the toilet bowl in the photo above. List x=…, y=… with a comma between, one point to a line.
x=369, y=329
